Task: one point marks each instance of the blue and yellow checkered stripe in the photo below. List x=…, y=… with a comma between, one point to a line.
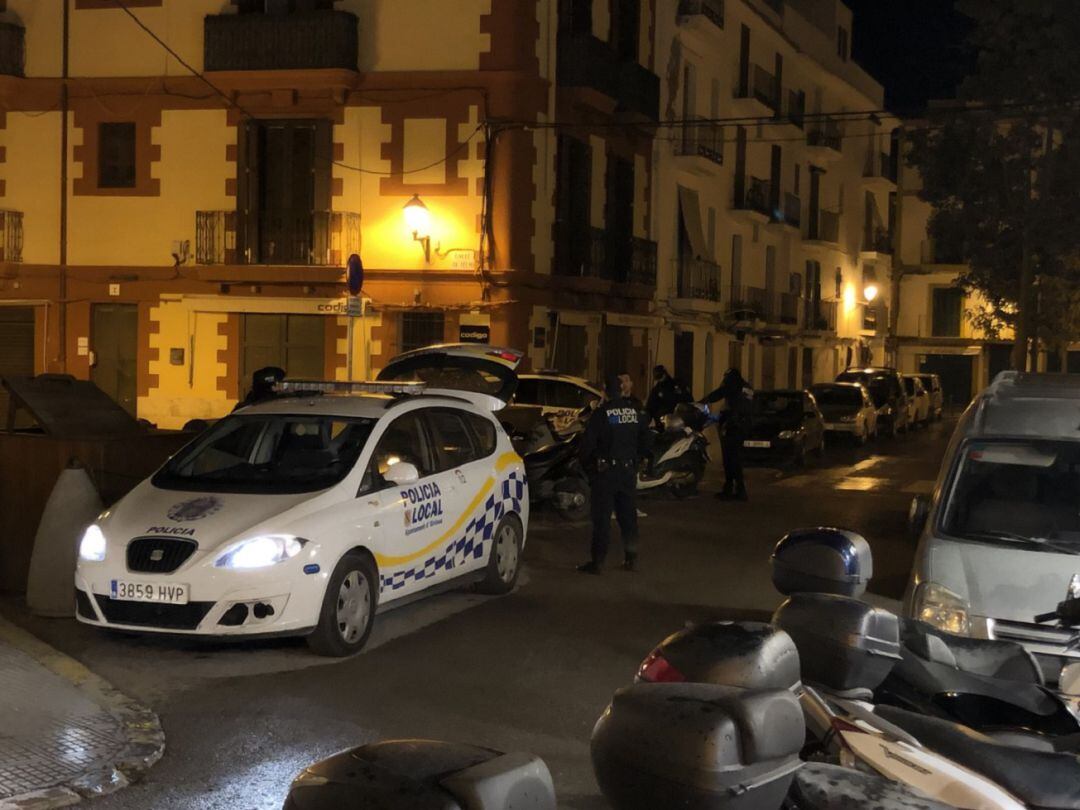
x=470, y=544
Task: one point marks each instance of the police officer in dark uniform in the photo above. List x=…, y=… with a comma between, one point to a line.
x=263, y=386
x=616, y=437
x=734, y=427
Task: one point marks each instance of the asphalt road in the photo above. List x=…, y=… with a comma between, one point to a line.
x=529, y=671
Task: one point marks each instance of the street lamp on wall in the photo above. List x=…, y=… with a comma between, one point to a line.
x=871, y=292
x=418, y=220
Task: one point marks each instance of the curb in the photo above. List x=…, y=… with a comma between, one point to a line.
x=145, y=739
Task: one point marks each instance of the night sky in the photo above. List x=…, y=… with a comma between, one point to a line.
x=914, y=47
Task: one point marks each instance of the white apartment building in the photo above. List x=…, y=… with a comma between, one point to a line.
x=775, y=229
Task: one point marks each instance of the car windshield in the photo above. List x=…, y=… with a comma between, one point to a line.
x=838, y=397
x=769, y=405
x=271, y=454
x=1017, y=491
x=877, y=384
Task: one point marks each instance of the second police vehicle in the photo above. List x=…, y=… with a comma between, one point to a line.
x=309, y=513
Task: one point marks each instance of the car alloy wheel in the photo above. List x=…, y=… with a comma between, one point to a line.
x=353, y=607
x=348, y=607
x=504, y=560
x=506, y=553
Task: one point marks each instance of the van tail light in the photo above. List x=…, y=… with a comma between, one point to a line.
x=657, y=669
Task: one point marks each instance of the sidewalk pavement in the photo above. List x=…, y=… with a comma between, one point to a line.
x=65, y=734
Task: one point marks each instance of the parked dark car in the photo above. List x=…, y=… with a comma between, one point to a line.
x=890, y=397
x=787, y=427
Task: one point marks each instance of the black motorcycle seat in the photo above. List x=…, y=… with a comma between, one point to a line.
x=1036, y=778
x=1004, y=660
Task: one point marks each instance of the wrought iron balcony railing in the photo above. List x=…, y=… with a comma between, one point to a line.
x=748, y=303
x=878, y=241
x=712, y=10
x=819, y=316
x=702, y=138
x=586, y=61
x=698, y=278
x=318, y=239
x=11, y=230
x=755, y=197
x=293, y=41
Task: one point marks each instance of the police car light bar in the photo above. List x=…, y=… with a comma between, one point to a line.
x=400, y=388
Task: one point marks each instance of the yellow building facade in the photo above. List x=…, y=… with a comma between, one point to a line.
x=778, y=195
x=183, y=182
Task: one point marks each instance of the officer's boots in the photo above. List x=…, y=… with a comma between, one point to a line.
x=630, y=563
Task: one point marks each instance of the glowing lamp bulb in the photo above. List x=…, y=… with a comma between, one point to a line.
x=417, y=216
x=870, y=292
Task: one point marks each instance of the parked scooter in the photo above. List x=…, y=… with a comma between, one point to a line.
x=679, y=453
x=849, y=649
x=556, y=477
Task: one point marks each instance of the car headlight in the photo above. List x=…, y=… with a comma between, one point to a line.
x=786, y=434
x=92, y=546
x=261, y=551
x=938, y=606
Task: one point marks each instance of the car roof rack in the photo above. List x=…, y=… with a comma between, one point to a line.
x=397, y=388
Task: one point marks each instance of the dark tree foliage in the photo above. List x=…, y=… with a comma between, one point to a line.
x=1003, y=175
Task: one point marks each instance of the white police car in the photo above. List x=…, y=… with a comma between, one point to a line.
x=308, y=513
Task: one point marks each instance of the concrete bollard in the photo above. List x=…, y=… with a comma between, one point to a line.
x=72, y=506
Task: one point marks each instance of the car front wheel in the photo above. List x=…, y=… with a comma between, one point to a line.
x=504, y=561
x=348, y=609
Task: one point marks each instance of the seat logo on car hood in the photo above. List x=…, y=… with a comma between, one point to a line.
x=194, y=509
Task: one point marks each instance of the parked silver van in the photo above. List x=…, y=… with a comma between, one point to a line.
x=999, y=539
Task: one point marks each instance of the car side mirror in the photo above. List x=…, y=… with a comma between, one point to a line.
x=402, y=473
x=917, y=515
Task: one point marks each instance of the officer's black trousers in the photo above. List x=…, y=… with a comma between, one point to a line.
x=615, y=489
x=731, y=450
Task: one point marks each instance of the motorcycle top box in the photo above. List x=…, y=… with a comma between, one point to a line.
x=749, y=655
x=423, y=775
x=822, y=560
x=843, y=643
x=672, y=745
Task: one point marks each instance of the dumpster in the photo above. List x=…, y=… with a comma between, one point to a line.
x=53, y=419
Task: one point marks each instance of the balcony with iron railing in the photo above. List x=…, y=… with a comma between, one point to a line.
x=933, y=252
x=747, y=303
x=781, y=309
x=790, y=212
x=819, y=316
x=315, y=239
x=12, y=49
x=11, y=233
x=753, y=203
x=698, y=278
x=284, y=41
x=877, y=242
x=760, y=96
x=583, y=60
x=710, y=10
x=701, y=139
x=824, y=141
x=601, y=254
x=880, y=171
x=825, y=232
